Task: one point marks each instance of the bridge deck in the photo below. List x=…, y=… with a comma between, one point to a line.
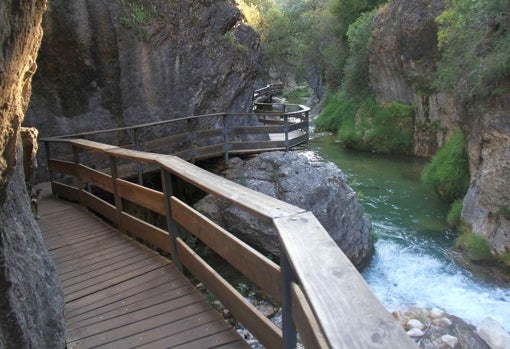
x=121, y=294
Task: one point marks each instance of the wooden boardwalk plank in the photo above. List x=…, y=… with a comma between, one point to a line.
x=121, y=294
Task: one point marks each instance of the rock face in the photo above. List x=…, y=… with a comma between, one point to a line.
x=312, y=185
x=107, y=64
x=402, y=62
x=31, y=302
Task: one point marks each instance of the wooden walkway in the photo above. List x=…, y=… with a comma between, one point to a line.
x=121, y=294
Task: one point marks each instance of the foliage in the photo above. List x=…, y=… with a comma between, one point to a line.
x=505, y=259
x=475, y=246
x=347, y=11
x=475, y=44
x=453, y=218
x=137, y=16
x=448, y=172
x=338, y=108
x=359, y=38
x=382, y=129
x=296, y=95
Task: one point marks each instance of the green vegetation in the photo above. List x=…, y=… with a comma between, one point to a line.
x=367, y=125
x=453, y=218
x=339, y=107
x=448, y=172
x=475, y=48
x=476, y=247
x=355, y=83
x=297, y=95
x=137, y=17
x=505, y=259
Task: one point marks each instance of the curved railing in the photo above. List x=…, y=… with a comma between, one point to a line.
x=323, y=296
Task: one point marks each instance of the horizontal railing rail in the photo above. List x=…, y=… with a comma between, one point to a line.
x=323, y=297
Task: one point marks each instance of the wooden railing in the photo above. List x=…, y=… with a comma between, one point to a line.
x=323, y=297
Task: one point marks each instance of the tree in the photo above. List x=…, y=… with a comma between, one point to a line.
x=474, y=39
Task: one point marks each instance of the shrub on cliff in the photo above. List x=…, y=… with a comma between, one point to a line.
x=474, y=39
x=476, y=247
x=453, y=218
x=338, y=108
x=448, y=172
x=382, y=129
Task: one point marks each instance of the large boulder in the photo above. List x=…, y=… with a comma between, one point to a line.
x=310, y=184
x=31, y=301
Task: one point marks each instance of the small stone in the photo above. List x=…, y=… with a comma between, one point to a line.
x=436, y=313
x=450, y=341
x=413, y=323
x=445, y=322
x=415, y=332
x=493, y=334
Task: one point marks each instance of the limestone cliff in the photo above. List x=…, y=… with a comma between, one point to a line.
x=402, y=58
x=31, y=302
x=107, y=64
x=402, y=62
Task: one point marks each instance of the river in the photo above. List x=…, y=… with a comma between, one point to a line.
x=412, y=264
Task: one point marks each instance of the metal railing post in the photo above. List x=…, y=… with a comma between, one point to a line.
x=288, y=327
x=166, y=179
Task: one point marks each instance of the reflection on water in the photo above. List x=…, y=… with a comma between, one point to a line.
x=412, y=265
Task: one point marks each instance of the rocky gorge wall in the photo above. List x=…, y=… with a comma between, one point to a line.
x=31, y=301
x=402, y=63
x=107, y=64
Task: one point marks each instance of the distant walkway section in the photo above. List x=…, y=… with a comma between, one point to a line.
x=121, y=294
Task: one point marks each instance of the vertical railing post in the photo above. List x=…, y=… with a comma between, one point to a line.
x=286, y=129
x=225, y=138
x=79, y=180
x=118, y=199
x=166, y=179
x=139, y=165
x=307, y=129
x=51, y=174
x=288, y=327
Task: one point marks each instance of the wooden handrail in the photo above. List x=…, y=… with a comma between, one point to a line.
x=330, y=299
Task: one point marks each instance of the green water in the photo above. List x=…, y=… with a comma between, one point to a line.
x=412, y=264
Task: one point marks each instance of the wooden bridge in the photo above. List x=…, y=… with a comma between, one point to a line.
x=121, y=294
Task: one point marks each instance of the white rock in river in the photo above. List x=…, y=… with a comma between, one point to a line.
x=413, y=323
x=493, y=334
x=450, y=341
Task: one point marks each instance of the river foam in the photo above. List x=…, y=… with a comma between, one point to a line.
x=401, y=276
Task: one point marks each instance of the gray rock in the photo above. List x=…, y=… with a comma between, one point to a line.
x=97, y=71
x=312, y=185
x=31, y=301
x=415, y=332
x=493, y=334
x=414, y=323
x=450, y=341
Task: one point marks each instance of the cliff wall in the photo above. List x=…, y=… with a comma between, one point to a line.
x=31, y=301
x=403, y=60
x=107, y=64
